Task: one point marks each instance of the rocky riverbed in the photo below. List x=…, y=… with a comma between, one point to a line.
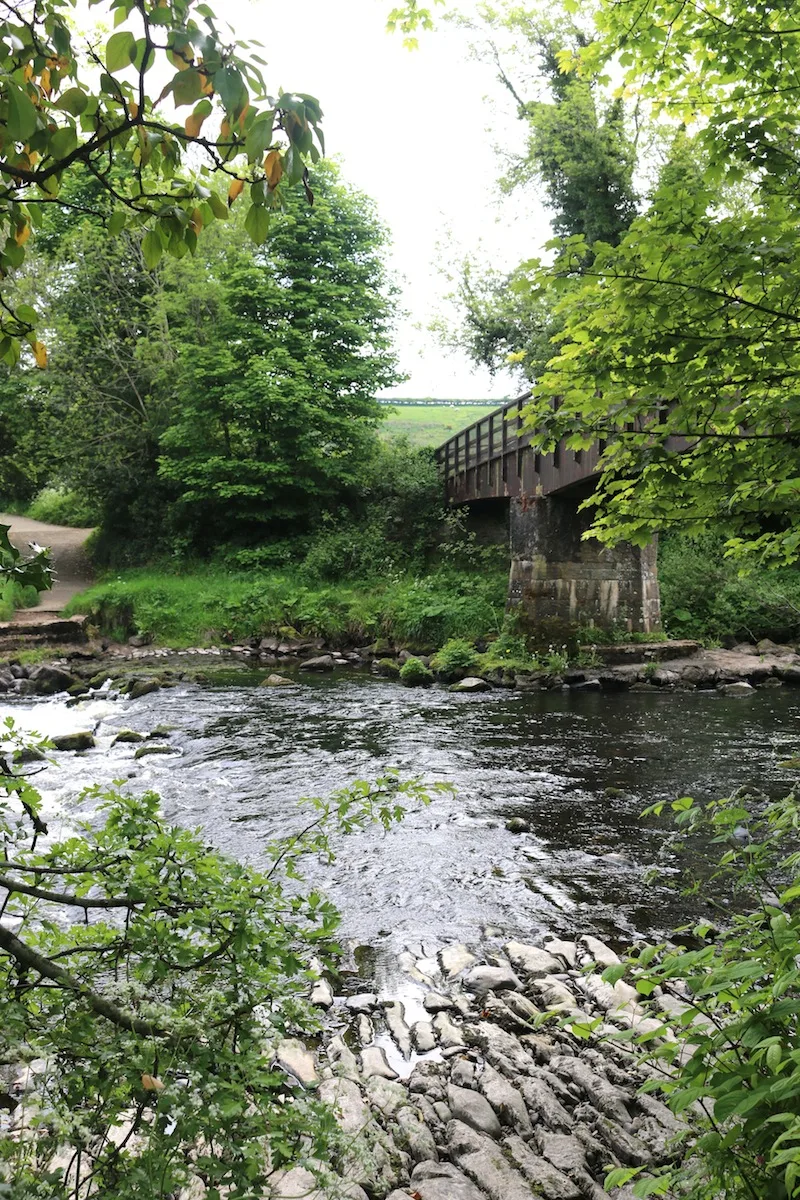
x=461, y=1091
x=641, y=667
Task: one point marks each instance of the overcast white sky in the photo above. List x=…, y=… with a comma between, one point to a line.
x=415, y=130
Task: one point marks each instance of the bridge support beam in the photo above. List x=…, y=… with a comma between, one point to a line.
x=558, y=580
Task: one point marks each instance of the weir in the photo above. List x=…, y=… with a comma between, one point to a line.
x=556, y=576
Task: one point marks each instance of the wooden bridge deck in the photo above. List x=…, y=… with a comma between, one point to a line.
x=491, y=460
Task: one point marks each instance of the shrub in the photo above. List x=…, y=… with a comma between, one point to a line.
x=62, y=506
x=732, y=1057
x=414, y=673
x=456, y=659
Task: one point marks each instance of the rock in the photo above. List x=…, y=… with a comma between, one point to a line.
x=435, y=1002
x=364, y=1002
x=546, y=1179
x=322, y=994
x=366, y=1030
x=473, y=1109
x=128, y=735
x=665, y=678
x=373, y=1062
x=144, y=751
x=518, y=825
x=324, y=662
x=297, y=1060
x=394, y=1016
x=543, y=1104
x=160, y=731
x=386, y=1095
x=519, y=1011
x=598, y=1091
x=276, y=681
x=442, y=1181
x=586, y=685
x=564, y=1151
x=456, y=958
x=568, y=951
x=488, y=1167
x=449, y=1035
x=602, y=954
x=470, y=684
x=629, y=1149
x=345, y=1096
x=482, y=980
x=424, y=1040
x=300, y=1184
x=699, y=675
x=48, y=681
x=504, y=1051
x=142, y=687
x=531, y=960
x=740, y=688
x=6, y=680
x=416, y=1136
x=555, y=994
x=772, y=682
x=74, y=741
x=342, y=1056
x=505, y=1100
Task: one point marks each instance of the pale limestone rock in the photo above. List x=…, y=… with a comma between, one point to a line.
x=297, y=1060
x=456, y=958
x=546, y=1179
x=602, y=954
x=473, y=1109
x=373, y=1062
x=505, y=1100
x=531, y=960
x=482, y=980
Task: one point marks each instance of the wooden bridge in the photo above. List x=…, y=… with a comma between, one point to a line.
x=491, y=459
x=559, y=577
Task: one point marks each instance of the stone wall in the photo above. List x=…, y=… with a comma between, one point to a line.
x=557, y=577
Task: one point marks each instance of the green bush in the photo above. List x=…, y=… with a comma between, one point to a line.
x=731, y=1001
x=414, y=673
x=61, y=506
x=704, y=596
x=456, y=659
x=14, y=595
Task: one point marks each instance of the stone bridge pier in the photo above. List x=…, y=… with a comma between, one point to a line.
x=559, y=580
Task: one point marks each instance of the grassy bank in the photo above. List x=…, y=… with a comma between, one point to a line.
x=204, y=605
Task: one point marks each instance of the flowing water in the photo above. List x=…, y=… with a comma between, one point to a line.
x=578, y=767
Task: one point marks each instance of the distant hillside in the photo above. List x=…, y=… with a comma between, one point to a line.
x=431, y=424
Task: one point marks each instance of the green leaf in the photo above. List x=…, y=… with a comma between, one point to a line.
x=120, y=50
x=21, y=121
x=116, y=223
x=257, y=223
x=152, y=249
x=187, y=87
x=259, y=137
x=73, y=101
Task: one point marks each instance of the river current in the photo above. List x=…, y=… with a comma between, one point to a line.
x=580, y=768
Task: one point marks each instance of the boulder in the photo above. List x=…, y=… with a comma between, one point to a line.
x=6, y=681
x=128, y=736
x=298, y=1061
x=143, y=687
x=324, y=662
x=473, y=1109
x=740, y=688
x=518, y=825
x=276, y=681
x=471, y=684
x=532, y=960
x=83, y=740
x=145, y=751
x=48, y=681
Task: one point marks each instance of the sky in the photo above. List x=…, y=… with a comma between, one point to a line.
x=415, y=130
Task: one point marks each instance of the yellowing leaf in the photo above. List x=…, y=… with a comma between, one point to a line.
x=39, y=353
x=236, y=188
x=193, y=124
x=151, y=1084
x=133, y=108
x=45, y=81
x=23, y=233
x=273, y=168
x=196, y=221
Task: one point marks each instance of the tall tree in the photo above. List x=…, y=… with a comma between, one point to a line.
x=579, y=156
x=273, y=406
x=689, y=326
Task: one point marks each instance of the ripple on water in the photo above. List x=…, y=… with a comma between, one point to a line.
x=248, y=754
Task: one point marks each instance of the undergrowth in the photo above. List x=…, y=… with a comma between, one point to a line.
x=206, y=605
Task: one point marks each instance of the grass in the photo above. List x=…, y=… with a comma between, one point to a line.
x=425, y=425
x=205, y=605
x=14, y=596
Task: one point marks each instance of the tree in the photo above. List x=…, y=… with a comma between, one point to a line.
x=56, y=118
x=579, y=153
x=274, y=403
x=679, y=346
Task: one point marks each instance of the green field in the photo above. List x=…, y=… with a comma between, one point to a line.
x=431, y=425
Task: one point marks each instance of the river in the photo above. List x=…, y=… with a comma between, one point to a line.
x=578, y=767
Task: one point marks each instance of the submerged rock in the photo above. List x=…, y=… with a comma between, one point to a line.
x=740, y=688
x=128, y=736
x=471, y=684
x=276, y=681
x=324, y=662
x=144, y=751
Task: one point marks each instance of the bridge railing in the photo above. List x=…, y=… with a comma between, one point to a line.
x=491, y=458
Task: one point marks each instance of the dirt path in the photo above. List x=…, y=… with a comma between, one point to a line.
x=73, y=569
